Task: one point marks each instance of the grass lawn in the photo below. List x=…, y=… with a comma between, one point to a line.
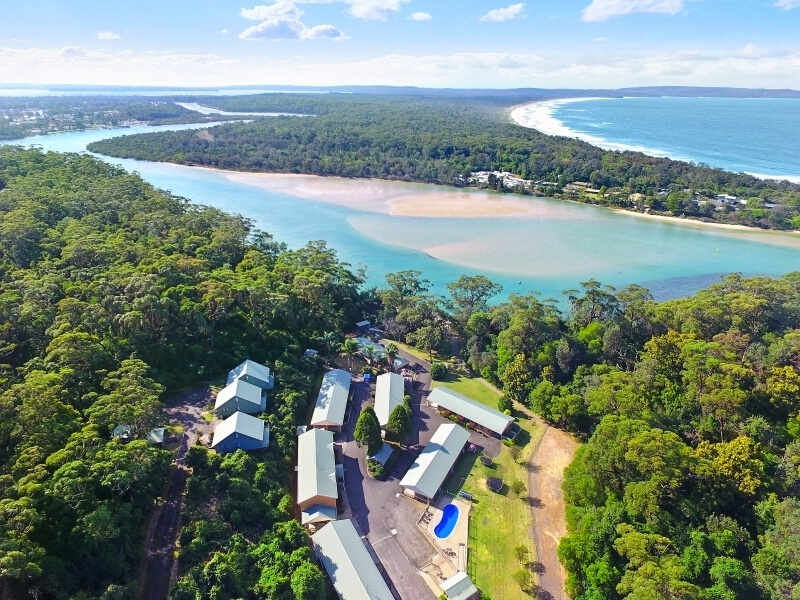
x=498, y=521
x=473, y=388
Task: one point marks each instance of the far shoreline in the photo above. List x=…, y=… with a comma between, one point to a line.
x=420, y=205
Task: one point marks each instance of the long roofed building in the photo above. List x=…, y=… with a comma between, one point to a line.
x=332, y=400
x=435, y=462
x=317, y=489
x=349, y=566
x=485, y=417
x=389, y=391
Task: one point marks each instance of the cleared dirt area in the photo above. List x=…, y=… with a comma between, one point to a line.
x=556, y=450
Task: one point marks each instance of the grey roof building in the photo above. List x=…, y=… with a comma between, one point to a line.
x=240, y=431
x=317, y=490
x=484, y=416
x=436, y=460
x=239, y=395
x=459, y=587
x=253, y=372
x=389, y=392
x=353, y=574
x=332, y=400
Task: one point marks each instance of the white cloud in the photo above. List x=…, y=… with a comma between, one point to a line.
x=787, y=4
x=603, y=69
x=107, y=35
x=223, y=32
x=281, y=21
x=420, y=16
x=600, y=40
x=512, y=11
x=753, y=51
x=601, y=10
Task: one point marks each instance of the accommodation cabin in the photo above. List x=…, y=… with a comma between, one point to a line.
x=423, y=480
x=389, y=391
x=254, y=373
x=240, y=396
x=350, y=568
x=486, y=419
x=317, y=489
x=332, y=400
x=460, y=587
x=240, y=431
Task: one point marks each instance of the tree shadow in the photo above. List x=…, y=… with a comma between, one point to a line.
x=537, y=567
x=536, y=503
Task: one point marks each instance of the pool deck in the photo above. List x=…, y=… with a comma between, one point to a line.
x=452, y=551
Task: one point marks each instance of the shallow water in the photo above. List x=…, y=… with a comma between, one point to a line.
x=559, y=246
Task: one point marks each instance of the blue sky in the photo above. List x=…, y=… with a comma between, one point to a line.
x=431, y=43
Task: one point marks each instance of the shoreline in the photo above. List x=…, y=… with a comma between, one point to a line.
x=412, y=199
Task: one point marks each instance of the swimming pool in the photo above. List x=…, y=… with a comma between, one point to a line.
x=448, y=522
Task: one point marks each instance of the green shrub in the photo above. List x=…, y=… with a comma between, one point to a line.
x=439, y=371
x=504, y=404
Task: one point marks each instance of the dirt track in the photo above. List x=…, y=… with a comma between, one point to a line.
x=556, y=450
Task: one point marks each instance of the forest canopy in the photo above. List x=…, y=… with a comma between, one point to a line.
x=435, y=139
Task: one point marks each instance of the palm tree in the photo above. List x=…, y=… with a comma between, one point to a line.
x=369, y=353
x=350, y=349
x=391, y=354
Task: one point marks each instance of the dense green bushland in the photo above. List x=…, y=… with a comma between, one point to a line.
x=441, y=140
x=112, y=292
x=687, y=485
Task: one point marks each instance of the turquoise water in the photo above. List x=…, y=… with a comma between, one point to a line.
x=758, y=136
x=568, y=243
x=448, y=522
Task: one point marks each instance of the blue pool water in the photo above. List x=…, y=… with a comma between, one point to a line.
x=448, y=522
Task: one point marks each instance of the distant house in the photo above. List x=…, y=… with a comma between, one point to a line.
x=240, y=431
x=332, y=400
x=156, y=436
x=460, y=587
x=389, y=391
x=254, y=373
x=317, y=489
x=484, y=417
x=435, y=462
x=350, y=568
x=363, y=326
x=241, y=396
x=123, y=433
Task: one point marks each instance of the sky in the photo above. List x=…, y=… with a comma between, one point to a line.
x=426, y=43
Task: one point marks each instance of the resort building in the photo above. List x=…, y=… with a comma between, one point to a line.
x=345, y=558
x=317, y=489
x=389, y=391
x=423, y=480
x=240, y=396
x=253, y=372
x=332, y=400
x=240, y=432
x=485, y=418
x=460, y=587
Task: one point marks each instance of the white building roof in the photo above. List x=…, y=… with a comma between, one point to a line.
x=353, y=574
x=317, y=514
x=332, y=398
x=243, y=424
x=473, y=410
x=389, y=392
x=459, y=587
x=252, y=368
x=316, y=465
x=246, y=392
x=432, y=466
